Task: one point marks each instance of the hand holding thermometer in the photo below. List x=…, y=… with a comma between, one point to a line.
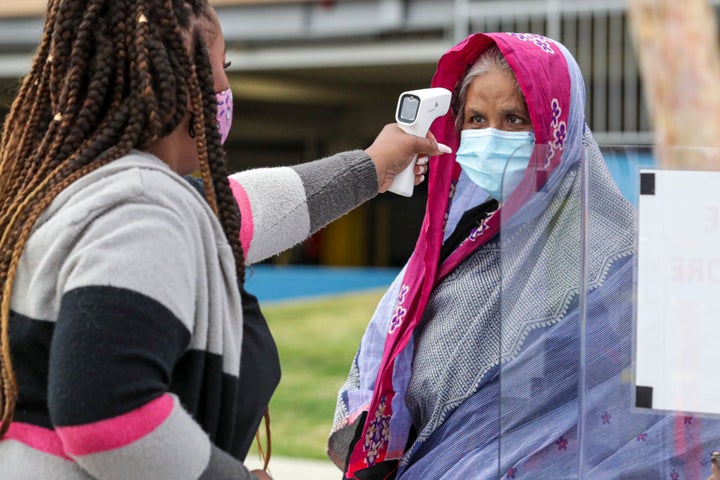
x=416, y=111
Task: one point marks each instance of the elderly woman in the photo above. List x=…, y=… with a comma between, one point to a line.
x=503, y=349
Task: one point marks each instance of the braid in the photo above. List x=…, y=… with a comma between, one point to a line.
x=214, y=162
x=22, y=140
x=109, y=76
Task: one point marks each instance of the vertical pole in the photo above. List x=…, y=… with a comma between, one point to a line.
x=554, y=20
x=462, y=20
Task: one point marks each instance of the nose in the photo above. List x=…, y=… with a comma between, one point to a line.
x=497, y=124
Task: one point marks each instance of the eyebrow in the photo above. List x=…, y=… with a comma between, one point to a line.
x=504, y=112
x=514, y=111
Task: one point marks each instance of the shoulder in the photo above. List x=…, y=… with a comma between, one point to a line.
x=135, y=202
x=133, y=224
x=135, y=181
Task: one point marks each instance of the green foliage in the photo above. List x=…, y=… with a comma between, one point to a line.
x=317, y=340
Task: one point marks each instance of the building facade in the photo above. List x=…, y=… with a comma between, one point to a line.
x=314, y=77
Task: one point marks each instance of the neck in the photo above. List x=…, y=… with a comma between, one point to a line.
x=178, y=150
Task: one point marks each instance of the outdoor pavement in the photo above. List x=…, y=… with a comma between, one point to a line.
x=283, y=468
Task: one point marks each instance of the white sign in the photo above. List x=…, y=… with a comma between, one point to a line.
x=678, y=319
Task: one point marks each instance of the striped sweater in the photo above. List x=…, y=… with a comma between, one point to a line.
x=126, y=321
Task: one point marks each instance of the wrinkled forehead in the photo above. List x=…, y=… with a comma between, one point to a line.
x=540, y=67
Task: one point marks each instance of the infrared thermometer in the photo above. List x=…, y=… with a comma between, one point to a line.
x=416, y=111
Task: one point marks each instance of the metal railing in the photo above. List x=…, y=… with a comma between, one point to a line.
x=598, y=35
x=384, y=31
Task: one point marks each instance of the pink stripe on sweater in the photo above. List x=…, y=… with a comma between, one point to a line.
x=247, y=228
x=39, y=438
x=116, y=432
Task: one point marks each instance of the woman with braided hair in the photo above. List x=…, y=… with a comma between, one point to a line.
x=125, y=327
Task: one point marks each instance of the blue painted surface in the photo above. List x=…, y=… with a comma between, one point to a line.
x=625, y=165
x=275, y=283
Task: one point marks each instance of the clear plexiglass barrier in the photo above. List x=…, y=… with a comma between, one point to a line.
x=596, y=347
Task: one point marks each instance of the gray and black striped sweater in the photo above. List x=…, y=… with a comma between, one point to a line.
x=126, y=319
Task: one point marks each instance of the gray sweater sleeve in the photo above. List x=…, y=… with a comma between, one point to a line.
x=223, y=465
x=283, y=206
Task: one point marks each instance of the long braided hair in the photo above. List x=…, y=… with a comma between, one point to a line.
x=109, y=76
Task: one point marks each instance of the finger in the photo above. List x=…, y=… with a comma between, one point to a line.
x=442, y=148
x=420, y=169
x=428, y=146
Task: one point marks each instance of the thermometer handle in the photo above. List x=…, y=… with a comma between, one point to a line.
x=416, y=111
x=404, y=182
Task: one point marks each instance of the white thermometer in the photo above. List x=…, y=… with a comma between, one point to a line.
x=416, y=111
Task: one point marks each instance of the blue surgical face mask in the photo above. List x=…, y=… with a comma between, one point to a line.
x=495, y=160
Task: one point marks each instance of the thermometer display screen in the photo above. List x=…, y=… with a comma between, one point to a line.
x=408, y=110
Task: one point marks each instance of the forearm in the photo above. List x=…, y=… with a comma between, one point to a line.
x=283, y=206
